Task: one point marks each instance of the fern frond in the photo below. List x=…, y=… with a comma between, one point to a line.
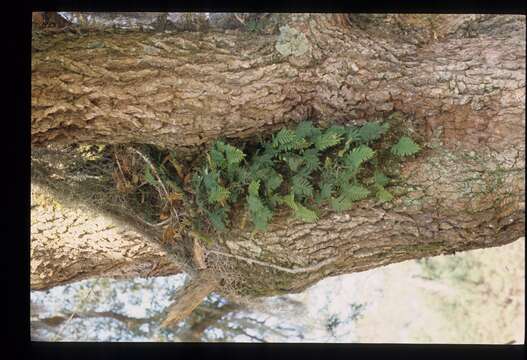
x=380, y=178
x=327, y=140
x=149, y=177
x=340, y=203
x=233, y=154
x=273, y=181
x=286, y=139
x=216, y=158
x=301, y=186
x=355, y=192
x=300, y=211
x=311, y=159
x=405, y=147
x=305, y=214
x=254, y=186
x=306, y=129
x=217, y=219
x=338, y=130
x=210, y=180
x=219, y=195
x=384, y=195
x=260, y=214
x=294, y=161
x=359, y=155
x=372, y=131
x=326, y=189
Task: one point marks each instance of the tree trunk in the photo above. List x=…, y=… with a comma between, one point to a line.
x=462, y=91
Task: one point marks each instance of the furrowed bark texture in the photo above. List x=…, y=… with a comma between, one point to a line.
x=71, y=243
x=462, y=87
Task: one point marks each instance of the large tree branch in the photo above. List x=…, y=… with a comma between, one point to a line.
x=464, y=97
x=188, y=88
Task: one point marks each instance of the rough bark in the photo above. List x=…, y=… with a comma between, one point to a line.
x=462, y=87
x=188, y=88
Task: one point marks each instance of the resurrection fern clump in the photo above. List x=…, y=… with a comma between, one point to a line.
x=305, y=169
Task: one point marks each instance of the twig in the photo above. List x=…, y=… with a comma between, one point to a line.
x=119, y=165
x=164, y=222
x=153, y=169
x=277, y=267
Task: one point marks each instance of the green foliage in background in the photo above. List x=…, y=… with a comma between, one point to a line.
x=304, y=169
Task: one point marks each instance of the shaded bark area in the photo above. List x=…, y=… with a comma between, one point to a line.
x=463, y=96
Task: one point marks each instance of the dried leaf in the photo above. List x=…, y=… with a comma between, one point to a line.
x=199, y=255
x=169, y=234
x=175, y=197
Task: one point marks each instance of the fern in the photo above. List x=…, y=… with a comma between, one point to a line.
x=294, y=161
x=326, y=190
x=305, y=129
x=327, y=140
x=219, y=195
x=217, y=219
x=322, y=166
x=355, y=192
x=405, y=147
x=301, y=186
x=260, y=214
x=359, y=155
x=286, y=139
x=300, y=211
x=311, y=160
x=341, y=203
x=273, y=181
x=380, y=179
x=372, y=131
x=384, y=195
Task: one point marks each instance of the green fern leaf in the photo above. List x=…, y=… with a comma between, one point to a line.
x=274, y=199
x=273, y=181
x=254, y=186
x=300, y=211
x=301, y=186
x=217, y=219
x=259, y=213
x=286, y=139
x=305, y=214
x=325, y=190
x=359, y=155
x=311, y=160
x=405, y=147
x=340, y=203
x=355, y=192
x=210, y=180
x=233, y=154
x=217, y=158
x=372, y=131
x=294, y=161
x=327, y=140
x=219, y=195
x=352, y=134
x=149, y=178
x=380, y=178
x=384, y=195
x=306, y=129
